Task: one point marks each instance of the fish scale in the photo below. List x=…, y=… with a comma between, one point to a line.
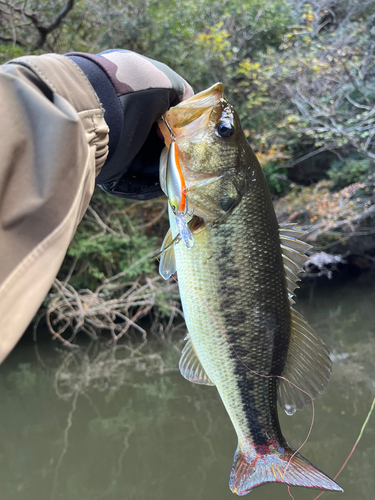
x=243, y=333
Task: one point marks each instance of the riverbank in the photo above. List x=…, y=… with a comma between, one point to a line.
x=339, y=224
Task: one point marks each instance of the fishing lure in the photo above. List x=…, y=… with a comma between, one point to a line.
x=177, y=192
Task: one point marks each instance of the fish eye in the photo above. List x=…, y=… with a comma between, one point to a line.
x=174, y=208
x=225, y=129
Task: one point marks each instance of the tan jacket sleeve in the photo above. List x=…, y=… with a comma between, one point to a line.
x=53, y=143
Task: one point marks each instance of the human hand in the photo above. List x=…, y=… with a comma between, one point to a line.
x=139, y=91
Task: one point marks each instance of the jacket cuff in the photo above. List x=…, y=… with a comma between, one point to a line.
x=63, y=77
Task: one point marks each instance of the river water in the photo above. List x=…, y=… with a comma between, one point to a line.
x=118, y=424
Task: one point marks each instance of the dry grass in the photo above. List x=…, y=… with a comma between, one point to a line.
x=114, y=307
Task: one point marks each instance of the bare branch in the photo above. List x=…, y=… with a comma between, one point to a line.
x=309, y=155
x=46, y=30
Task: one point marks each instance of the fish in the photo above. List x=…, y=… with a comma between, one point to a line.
x=237, y=286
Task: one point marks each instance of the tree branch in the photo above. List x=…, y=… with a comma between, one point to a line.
x=45, y=30
x=309, y=155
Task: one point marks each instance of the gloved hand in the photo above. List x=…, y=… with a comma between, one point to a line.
x=134, y=91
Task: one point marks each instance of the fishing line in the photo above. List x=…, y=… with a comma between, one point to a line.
x=259, y=375
x=354, y=447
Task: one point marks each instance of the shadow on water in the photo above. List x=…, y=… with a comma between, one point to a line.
x=123, y=424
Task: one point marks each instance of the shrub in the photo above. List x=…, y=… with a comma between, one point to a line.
x=344, y=172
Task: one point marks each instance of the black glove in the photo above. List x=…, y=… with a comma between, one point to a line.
x=134, y=91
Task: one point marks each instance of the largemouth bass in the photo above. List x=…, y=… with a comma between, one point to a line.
x=236, y=285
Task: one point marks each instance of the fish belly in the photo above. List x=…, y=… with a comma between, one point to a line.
x=198, y=279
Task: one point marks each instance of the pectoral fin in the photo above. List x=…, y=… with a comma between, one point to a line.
x=190, y=366
x=167, y=265
x=308, y=366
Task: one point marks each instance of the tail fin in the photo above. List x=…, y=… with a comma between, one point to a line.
x=276, y=467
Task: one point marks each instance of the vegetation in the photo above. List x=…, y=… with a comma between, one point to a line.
x=301, y=75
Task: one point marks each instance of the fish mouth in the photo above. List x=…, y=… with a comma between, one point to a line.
x=191, y=109
x=190, y=118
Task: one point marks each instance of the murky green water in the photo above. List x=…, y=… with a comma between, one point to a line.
x=103, y=425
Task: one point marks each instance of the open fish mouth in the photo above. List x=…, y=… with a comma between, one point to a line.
x=190, y=118
x=187, y=121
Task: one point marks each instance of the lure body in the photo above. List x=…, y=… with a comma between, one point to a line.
x=177, y=194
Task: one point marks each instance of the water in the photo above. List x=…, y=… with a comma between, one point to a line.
x=102, y=425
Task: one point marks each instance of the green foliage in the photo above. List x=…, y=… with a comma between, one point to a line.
x=9, y=51
x=107, y=243
x=276, y=178
x=101, y=252
x=316, y=90
x=344, y=172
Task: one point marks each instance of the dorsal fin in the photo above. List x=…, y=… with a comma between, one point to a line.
x=298, y=258
x=167, y=265
x=190, y=366
x=288, y=225
x=294, y=244
x=308, y=366
x=293, y=252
